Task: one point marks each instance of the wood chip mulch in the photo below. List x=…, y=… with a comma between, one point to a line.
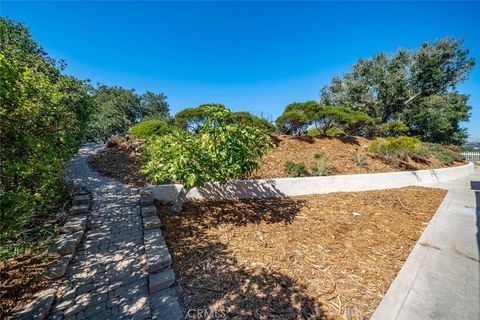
x=18, y=284
x=119, y=163
x=339, y=152
x=313, y=257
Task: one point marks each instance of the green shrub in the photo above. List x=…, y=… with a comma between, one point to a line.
x=148, y=129
x=395, y=150
x=359, y=158
x=322, y=165
x=296, y=169
x=293, y=122
x=246, y=118
x=43, y=116
x=392, y=129
x=446, y=155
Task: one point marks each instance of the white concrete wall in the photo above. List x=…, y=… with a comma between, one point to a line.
x=275, y=188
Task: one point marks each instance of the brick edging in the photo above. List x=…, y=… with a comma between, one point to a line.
x=72, y=233
x=163, y=298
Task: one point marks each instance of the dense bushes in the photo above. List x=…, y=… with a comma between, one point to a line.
x=217, y=152
x=395, y=150
x=446, y=155
x=192, y=119
x=149, y=128
x=43, y=116
x=298, y=117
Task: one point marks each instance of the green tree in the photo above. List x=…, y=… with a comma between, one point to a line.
x=388, y=87
x=43, y=116
x=218, y=152
x=246, y=118
x=116, y=110
x=193, y=119
x=154, y=106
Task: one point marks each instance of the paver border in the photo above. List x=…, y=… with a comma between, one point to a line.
x=39, y=307
x=161, y=278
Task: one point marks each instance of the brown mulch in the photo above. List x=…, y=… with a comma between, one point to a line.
x=18, y=284
x=119, y=163
x=338, y=150
x=122, y=162
x=305, y=257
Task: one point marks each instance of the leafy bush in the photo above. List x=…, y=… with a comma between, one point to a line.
x=296, y=169
x=193, y=119
x=293, y=122
x=395, y=150
x=359, y=158
x=392, y=129
x=446, y=155
x=218, y=152
x=322, y=165
x=43, y=116
x=246, y=118
x=150, y=128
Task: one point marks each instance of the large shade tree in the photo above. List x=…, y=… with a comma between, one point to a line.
x=408, y=86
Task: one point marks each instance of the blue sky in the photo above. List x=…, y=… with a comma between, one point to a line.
x=255, y=56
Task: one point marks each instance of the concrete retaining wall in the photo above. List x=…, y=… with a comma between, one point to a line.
x=282, y=187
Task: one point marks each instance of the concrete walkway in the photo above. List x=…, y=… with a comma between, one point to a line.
x=107, y=277
x=440, y=279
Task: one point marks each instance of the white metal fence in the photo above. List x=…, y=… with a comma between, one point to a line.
x=472, y=156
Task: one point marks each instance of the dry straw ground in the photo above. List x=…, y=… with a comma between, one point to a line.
x=312, y=257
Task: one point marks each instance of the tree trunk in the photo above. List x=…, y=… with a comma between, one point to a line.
x=181, y=197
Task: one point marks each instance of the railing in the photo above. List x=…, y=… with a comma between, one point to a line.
x=472, y=156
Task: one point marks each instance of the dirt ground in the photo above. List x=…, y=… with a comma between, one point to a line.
x=312, y=257
x=338, y=150
x=118, y=163
x=17, y=285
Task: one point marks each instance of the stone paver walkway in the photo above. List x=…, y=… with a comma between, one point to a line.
x=107, y=277
x=440, y=279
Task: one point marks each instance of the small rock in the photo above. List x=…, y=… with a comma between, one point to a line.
x=149, y=211
x=356, y=214
x=161, y=280
x=146, y=200
x=166, y=307
x=39, y=307
x=80, y=209
x=57, y=270
x=78, y=200
x=151, y=222
x=75, y=223
x=66, y=244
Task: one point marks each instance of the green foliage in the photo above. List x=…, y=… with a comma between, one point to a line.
x=218, y=152
x=359, y=158
x=43, y=115
x=154, y=106
x=322, y=165
x=293, y=122
x=445, y=155
x=149, y=128
x=395, y=150
x=299, y=116
x=246, y=118
x=392, y=129
x=117, y=109
x=193, y=119
x=416, y=87
x=296, y=169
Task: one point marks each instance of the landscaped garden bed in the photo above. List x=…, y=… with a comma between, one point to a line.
x=323, y=256
x=345, y=155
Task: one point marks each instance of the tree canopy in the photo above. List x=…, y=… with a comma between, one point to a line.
x=43, y=116
x=217, y=152
x=410, y=84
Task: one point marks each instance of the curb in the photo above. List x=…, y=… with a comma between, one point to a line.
x=163, y=298
x=72, y=233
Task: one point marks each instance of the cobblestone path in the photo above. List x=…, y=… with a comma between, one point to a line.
x=107, y=277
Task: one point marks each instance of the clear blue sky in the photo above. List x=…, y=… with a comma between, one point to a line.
x=255, y=56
